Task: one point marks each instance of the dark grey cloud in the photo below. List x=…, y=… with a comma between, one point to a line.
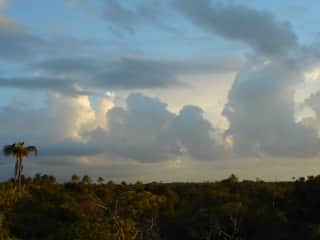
x=129, y=16
x=194, y=132
x=38, y=83
x=16, y=42
x=130, y=73
x=313, y=101
x=89, y=65
x=68, y=147
x=259, y=29
x=137, y=131
x=69, y=66
x=126, y=73
x=18, y=45
x=194, y=66
x=136, y=73
x=261, y=111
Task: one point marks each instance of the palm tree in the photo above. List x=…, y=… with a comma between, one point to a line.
x=86, y=179
x=100, y=180
x=19, y=151
x=75, y=178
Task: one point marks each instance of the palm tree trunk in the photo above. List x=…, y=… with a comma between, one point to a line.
x=16, y=167
x=20, y=172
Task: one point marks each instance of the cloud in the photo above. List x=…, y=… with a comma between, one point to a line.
x=261, y=112
x=117, y=14
x=16, y=42
x=260, y=107
x=72, y=66
x=313, y=102
x=194, y=133
x=137, y=131
x=146, y=131
x=129, y=16
x=3, y=4
x=61, y=118
x=126, y=73
x=19, y=45
x=123, y=73
x=39, y=83
x=143, y=131
x=259, y=29
x=136, y=73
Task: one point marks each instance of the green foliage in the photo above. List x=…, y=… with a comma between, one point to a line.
x=85, y=229
x=4, y=234
x=230, y=209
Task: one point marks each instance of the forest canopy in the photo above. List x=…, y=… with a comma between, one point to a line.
x=227, y=209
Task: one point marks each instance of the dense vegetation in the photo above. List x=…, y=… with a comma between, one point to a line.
x=229, y=209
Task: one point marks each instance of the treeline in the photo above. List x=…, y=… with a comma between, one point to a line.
x=225, y=210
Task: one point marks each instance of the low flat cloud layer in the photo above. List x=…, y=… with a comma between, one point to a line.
x=126, y=73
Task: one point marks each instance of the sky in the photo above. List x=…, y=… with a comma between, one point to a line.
x=171, y=90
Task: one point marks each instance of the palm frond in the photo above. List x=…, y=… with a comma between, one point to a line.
x=8, y=150
x=32, y=149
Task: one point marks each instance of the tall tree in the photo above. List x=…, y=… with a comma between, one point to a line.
x=75, y=178
x=19, y=151
x=100, y=180
x=86, y=179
